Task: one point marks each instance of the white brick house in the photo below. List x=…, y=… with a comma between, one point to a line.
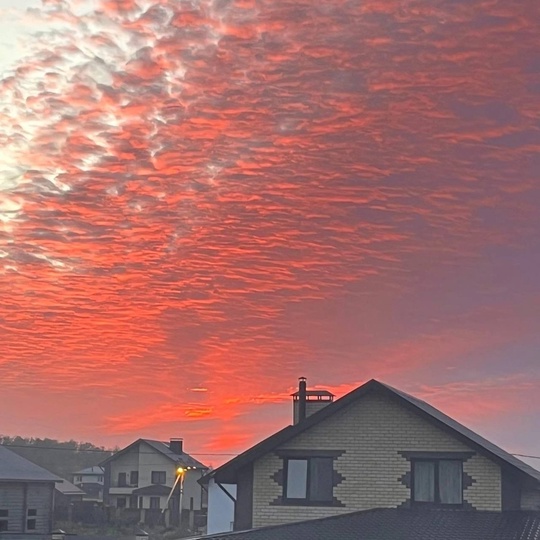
x=376, y=447
x=139, y=481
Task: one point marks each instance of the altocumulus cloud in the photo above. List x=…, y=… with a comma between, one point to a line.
x=188, y=187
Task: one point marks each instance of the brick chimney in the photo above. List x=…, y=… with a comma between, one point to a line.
x=307, y=402
x=176, y=446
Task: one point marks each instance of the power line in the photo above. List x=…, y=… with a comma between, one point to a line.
x=104, y=451
x=58, y=448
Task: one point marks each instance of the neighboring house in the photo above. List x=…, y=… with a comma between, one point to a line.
x=66, y=495
x=376, y=447
x=26, y=498
x=91, y=481
x=139, y=482
x=221, y=499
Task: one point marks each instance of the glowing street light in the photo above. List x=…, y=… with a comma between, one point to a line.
x=180, y=477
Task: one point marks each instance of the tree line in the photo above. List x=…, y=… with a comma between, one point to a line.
x=62, y=458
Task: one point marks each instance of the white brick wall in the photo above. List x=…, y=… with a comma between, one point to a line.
x=371, y=431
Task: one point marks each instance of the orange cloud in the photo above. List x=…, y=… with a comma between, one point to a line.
x=227, y=195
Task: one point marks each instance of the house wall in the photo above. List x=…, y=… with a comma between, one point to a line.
x=151, y=460
x=12, y=500
x=124, y=464
x=371, y=433
x=192, y=490
x=92, y=491
x=18, y=497
x=87, y=478
x=220, y=508
x=311, y=408
x=530, y=500
x=41, y=497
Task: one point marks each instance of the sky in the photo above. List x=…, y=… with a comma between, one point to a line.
x=203, y=200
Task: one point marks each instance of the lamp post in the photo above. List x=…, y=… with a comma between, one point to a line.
x=180, y=477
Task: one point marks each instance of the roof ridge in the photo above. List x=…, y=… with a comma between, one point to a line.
x=420, y=407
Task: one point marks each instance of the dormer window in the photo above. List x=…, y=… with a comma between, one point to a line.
x=437, y=481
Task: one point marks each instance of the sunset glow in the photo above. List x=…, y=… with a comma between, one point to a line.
x=201, y=201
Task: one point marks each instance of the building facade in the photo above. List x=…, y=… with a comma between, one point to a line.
x=376, y=447
x=91, y=481
x=155, y=483
x=26, y=498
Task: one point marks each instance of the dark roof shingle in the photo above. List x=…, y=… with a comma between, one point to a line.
x=182, y=459
x=401, y=524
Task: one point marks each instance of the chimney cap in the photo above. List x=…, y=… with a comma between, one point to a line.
x=318, y=393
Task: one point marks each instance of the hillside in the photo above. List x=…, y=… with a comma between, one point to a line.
x=60, y=457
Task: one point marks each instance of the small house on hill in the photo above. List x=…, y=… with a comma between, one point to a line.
x=90, y=480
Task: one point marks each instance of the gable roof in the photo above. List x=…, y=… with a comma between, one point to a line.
x=227, y=472
x=464, y=431
x=181, y=459
x=67, y=488
x=15, y=468
x=401, y=524
x=97, y=470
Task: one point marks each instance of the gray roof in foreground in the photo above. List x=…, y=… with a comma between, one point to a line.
x=16, y=468
x=402, y=524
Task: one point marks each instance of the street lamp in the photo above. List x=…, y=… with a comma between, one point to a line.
x=180, y=477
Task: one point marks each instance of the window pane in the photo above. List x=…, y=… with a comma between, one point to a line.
x=450, y=489
x=158, y=477
x=424, y=481
x=297, y=478
x=320, y=479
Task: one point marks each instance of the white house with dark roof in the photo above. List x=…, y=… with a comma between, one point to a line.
x=91, y=481
x=26, y=498
x=376, y=447
x=155, y=482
